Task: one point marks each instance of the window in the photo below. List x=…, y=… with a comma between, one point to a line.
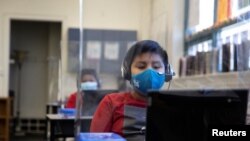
x=239, y=7
x=201, y=15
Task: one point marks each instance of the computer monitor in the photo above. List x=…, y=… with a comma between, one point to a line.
x=91, y=100
x=186, y=115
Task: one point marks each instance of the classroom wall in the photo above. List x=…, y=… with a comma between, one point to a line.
x=167, y=26
x=124, y=14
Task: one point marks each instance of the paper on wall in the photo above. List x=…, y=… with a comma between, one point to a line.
x=93, y=50
x=111, y=50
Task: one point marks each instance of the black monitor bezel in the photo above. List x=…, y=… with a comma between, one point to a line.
x=198, y=97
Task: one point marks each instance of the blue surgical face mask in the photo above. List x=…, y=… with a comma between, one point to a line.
x=89, y=85
x=147, y=80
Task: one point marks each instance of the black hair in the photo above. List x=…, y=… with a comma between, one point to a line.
x=139, y=48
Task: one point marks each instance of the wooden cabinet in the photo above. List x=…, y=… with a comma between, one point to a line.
x=4, y=118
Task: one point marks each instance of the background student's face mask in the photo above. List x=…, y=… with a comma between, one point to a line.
x=89, y=85
x=146, y=80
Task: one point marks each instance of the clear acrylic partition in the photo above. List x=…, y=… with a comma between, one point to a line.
x=105, y=57
x=102, y=50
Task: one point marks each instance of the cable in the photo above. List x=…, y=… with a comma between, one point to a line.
x=142, y=131
x=169, y=84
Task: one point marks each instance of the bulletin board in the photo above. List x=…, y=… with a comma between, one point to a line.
x=103, y=50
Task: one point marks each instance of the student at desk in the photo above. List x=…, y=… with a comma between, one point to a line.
x=146, y=67
x=89, y=81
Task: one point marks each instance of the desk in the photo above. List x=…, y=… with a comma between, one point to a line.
x=51, y=108
x=64, y=127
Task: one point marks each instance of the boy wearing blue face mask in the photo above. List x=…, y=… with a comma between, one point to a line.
x=146, y=67
x=89, y=81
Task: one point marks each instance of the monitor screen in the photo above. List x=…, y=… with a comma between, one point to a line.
x=91, y=99
x=179, y=115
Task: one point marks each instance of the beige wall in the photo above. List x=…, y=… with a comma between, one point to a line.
x=168, y=26
x=161, y=20
x=108, y=14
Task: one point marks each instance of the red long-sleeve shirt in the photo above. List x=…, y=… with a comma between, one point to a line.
x=71, y=102
x=120, y=113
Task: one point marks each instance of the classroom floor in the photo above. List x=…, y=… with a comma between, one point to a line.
x=35, y=137
x=28, y=137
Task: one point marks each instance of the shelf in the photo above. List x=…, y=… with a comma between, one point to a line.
x=237, y=80
x=3, y=117
x=208, y=33
x=2, y=137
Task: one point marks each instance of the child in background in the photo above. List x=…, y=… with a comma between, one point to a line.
x=89, y=81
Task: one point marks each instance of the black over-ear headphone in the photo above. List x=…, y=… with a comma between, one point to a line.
x=126, y=65
x=169, y=73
